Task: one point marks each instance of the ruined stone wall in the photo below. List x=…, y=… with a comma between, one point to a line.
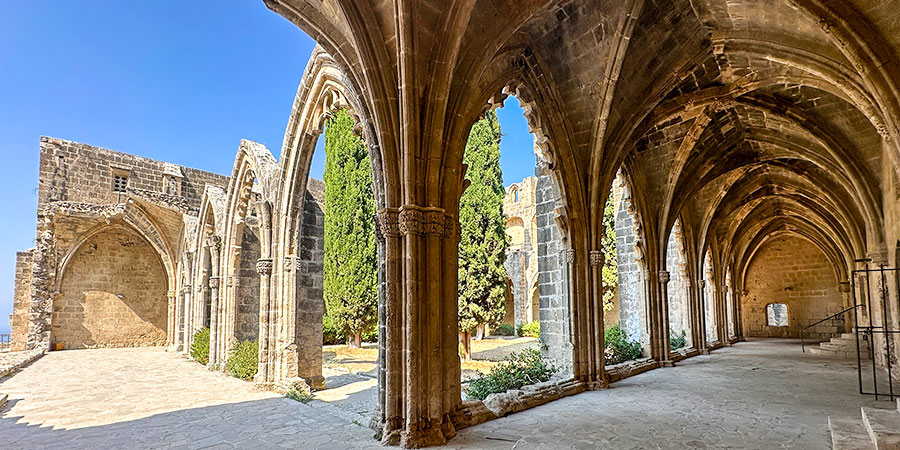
x=632, y=307
x=75, y=172
x=18, y=320
x=793, y=271
x=521, y=257
x=248, y=288
x=310, y=275
x=552, y=268
x=113, y=294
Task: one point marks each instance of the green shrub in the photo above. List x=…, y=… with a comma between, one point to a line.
x=200, y=346
x=517, y=370
x=301, y=396
x=618, y=347
x=530, y=329
x=331, y=334
x=504, y=330
x=243, y=360
x=676, y=340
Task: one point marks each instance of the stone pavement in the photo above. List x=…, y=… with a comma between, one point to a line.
x=760, y=394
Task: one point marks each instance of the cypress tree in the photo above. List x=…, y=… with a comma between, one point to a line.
x=483, y=240
x=350, y=291
x=610, y=271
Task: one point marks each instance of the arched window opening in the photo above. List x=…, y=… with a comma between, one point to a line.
x=511, y=186
x=678, y=289
x=709, y=300
x=624, y=299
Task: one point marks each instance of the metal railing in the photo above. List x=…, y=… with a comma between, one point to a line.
x=4, y=341
x=844, y=311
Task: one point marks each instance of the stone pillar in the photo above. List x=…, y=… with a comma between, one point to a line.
x=180, y=333
x=665, y=349
x=213, y=283
x=703, y=341
x=597, y=362
x=264, y=375
x=392, y=341
x=170, y=319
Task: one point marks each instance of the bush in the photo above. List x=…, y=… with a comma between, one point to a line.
x=302, y=396
x=200, y=346
x=530, y=329
x=331, y=334
x=243, y=360
x=618, y=347
x=676, y=340
x=504, y=330
x=517, y=370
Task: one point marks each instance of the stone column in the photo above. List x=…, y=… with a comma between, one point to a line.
x=213, y=283
x=389, y=229
x=666, y=353
x=170, y=319
x=264, y=373
x=183, y=299
x=703, y=344
x=597, y=354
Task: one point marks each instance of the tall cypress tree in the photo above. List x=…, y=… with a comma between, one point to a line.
x=483, y=240
x=350, y=291
x=610, y=271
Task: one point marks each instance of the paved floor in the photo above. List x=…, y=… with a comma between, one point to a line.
x=762, y=394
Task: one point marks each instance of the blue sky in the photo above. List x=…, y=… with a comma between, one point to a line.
x=176, y=81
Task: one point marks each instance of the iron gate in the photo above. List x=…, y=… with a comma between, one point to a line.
x=871, y=288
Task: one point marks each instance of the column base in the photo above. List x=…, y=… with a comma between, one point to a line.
x=427, y=433
x=704, y=351
x=667, y=363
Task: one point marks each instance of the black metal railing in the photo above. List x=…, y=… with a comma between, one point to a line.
x=844, y=311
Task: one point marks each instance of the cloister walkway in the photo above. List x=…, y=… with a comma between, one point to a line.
x=758, y=394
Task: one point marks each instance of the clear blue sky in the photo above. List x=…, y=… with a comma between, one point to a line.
x=176, y=81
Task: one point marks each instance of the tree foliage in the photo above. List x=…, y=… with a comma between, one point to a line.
x=610, y=271
x=483, y=240
x=351, y=261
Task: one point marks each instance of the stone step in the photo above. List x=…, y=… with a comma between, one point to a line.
x=843, y=348
x=883, y=426
x=849, y=434
x=849, y=354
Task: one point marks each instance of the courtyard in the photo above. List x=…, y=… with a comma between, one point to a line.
x=758, y=394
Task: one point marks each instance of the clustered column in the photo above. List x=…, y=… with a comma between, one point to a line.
x=662, y=337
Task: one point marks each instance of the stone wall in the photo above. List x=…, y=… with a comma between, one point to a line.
x=555, y=317
x=793, y=271
x=310, y=276
x=521, y=257
x=247, y=327
x=113, y=294
x=18, y=320
x=75, y=172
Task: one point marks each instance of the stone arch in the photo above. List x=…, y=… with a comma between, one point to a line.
x=204, y=263
x=325, y=88
x=710, y=295
x=111, y=291
x=253, y=189
x=678, y=302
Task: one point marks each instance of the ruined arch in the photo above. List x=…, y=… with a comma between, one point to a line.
x=111, y=291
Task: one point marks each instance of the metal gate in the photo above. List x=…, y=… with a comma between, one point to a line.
x=873, y=318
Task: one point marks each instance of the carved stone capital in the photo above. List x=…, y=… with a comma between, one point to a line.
x=433, y=221
x=172, y=293
x=570, y=256
x=214, y=282
x=289, y=263
x=264, y=266
x=388, y=222
x=186, y=289
x=410, y=219
x=701, y=283
x=664, y=277
x=596, y=257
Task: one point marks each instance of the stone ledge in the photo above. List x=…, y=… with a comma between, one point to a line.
x=474, y=412
x=11, y=362
x=627, y=369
